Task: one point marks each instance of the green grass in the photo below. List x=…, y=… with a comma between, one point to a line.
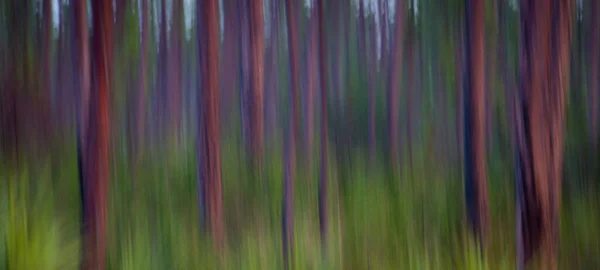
x=412, y=221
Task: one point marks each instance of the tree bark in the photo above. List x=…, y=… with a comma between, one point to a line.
x=324, y=128
x=594, y=63
x=175, y=61
x=48, y=46
x=475, y=157
x=162, y=98
x=395, y=76
x=288, y=207
x=143, y=81
x=210, y=138
x=97, y=163
x=312, y=83
x=257, y=48
x=545, y=67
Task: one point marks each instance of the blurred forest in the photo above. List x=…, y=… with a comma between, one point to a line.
x=299, y=134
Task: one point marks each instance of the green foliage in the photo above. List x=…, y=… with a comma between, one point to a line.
x=36, y=235
x=414, y=220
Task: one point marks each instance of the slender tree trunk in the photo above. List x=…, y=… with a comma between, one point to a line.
x=230, y=59
x=413, y=75
x=257, y=48
x=594, y=63
x=163, y=75
x=143, y=80
x=82, y=110
x=210, y=138
x=244, y=68
x=175, y=61
x=394, y=87
x=324, y=131
x=288, y=207
x=47, y=7
x=273, y=74
x=371, y=66
x=312, y=83
x=475, y=157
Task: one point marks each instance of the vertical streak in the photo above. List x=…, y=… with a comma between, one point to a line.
x=324, y=131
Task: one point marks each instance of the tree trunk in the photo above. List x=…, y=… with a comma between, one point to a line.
x=162, y=98
x=143, y=80
x=545, y=64
x=288, y=207
x=82, y=109
x=210, y=139
x=97, y=163
x=244, y=68
x=475, y=157
x=594, y=63
x=48, y=46
x=394, y=87
x=257, y=51
x=324, y=131
x=312, y=83
x=175, y=61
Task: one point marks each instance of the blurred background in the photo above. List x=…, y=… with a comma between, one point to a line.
x=299, y=134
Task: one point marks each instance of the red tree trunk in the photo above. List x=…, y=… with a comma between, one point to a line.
x=211, y=153
x=477, y=194
x=97, y=163
x=545, y=68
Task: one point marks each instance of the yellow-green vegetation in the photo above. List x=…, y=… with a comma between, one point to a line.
x=414, y=220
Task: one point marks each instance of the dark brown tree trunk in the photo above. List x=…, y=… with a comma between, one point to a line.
x=97, y=163
x=594, y=63
x=210, y=139
x=47, y=46
x=82, y=65
x=475, y=157
x=394, y=87
x=256, y=103
x=324, y=131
